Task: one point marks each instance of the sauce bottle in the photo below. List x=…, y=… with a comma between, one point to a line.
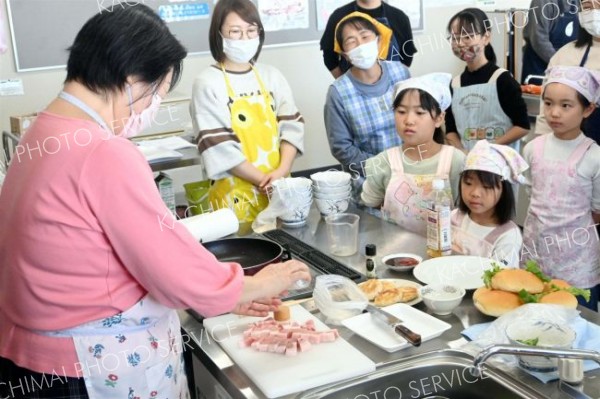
x=371, y=252
x=439, y=206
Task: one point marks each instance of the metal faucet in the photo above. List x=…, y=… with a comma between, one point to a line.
x=566, y=371
x=533, y=351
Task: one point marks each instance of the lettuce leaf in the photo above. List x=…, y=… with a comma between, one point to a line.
x=489, y=274
x=529, y=298
x=578, y=291
x=532, y=266
x=530, y=342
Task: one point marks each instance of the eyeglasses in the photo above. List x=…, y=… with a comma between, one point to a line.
x=237, y=34
x=464, y=38
x=364, y=36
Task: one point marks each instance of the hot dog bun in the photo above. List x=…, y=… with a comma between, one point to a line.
x=515, y=280
x=495, y=302
x=563, y=298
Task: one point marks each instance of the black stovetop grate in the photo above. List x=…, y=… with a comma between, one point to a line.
x=311, y=255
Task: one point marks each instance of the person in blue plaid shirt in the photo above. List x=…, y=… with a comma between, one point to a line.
x=359, y=116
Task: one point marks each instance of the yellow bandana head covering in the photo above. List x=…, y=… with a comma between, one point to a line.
x=385, y=34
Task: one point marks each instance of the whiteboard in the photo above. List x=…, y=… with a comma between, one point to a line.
x=43, y=30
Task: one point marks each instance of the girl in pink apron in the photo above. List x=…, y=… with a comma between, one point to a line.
x=559, y=228
x=482, y=224
x=400, y=178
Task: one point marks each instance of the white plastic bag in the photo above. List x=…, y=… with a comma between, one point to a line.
x=495, y=334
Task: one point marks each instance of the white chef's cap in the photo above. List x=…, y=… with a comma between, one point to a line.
x=435, y=84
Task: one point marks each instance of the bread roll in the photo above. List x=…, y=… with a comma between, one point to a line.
x=282, y=313
x=563, y=298
x=515, y=280
x=495, y=302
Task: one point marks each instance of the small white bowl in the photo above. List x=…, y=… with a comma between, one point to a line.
x=331, y=178
x=401, y=262
x=548, y=334
x=298, y=213
x=332, y=206
x=442, y=299
x=332, y=190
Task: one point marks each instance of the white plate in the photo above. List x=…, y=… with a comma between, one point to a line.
x=401, y=255
x=462, y=271
x=378, y=333
x=403, y=283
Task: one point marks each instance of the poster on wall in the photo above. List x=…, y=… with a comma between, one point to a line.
x=284, y=14
x=183, y=12
x=413, y=9
x=325, y=8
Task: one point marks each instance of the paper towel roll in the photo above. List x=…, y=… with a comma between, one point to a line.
x=213, y=225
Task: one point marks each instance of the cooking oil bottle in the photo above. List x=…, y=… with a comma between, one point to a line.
x=439, y=233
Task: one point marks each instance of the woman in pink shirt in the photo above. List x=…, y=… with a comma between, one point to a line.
x=93, y=264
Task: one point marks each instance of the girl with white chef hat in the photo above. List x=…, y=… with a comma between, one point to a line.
x=482, y=225
x=400, y=178
x=584, y=52
x=487, y=103
x=559, y=231
x=359, y=117
x=249, y=129
x=93, y=263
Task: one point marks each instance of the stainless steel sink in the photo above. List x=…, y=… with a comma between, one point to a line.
x=440, y=374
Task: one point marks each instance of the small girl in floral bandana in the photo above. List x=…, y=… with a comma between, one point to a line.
x=482, y=225
x=559, y=231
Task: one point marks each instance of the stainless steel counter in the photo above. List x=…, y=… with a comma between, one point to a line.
x=389, y=238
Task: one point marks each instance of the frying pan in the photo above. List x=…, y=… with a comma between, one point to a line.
x=252, y=253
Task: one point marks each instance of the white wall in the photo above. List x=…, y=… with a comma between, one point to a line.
x=301, y=64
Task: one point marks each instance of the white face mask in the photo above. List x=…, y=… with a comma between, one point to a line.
x=138, y=122
x=240, y=51
x=590, y=21
x=365, y=55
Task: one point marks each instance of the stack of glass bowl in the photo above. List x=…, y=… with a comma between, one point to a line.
x=332, y=191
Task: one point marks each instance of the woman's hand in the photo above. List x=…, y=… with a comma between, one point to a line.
x=259, y=308
x=273, y=281
x=265, y=184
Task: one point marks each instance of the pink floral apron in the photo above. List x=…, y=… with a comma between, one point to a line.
x=466, y=243
x=136, y=354
x=559, y=231
x=405, y=196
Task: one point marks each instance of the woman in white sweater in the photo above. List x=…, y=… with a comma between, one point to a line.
x=249, y=129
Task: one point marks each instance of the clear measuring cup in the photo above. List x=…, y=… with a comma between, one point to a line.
x=342, y=233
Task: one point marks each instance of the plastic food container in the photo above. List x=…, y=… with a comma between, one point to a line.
x=540, y=333
x=338, y=297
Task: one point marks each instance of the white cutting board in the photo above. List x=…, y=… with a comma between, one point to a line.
x=276, y=374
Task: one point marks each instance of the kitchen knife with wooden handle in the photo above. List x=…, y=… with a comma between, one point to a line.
x=396, y=324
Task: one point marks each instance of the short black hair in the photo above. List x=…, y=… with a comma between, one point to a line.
x=358, y=23
x=247, y=11
x=127, y=40
x=505, y=208
x=584, y=103
x=476, y=21
x=429, y=104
